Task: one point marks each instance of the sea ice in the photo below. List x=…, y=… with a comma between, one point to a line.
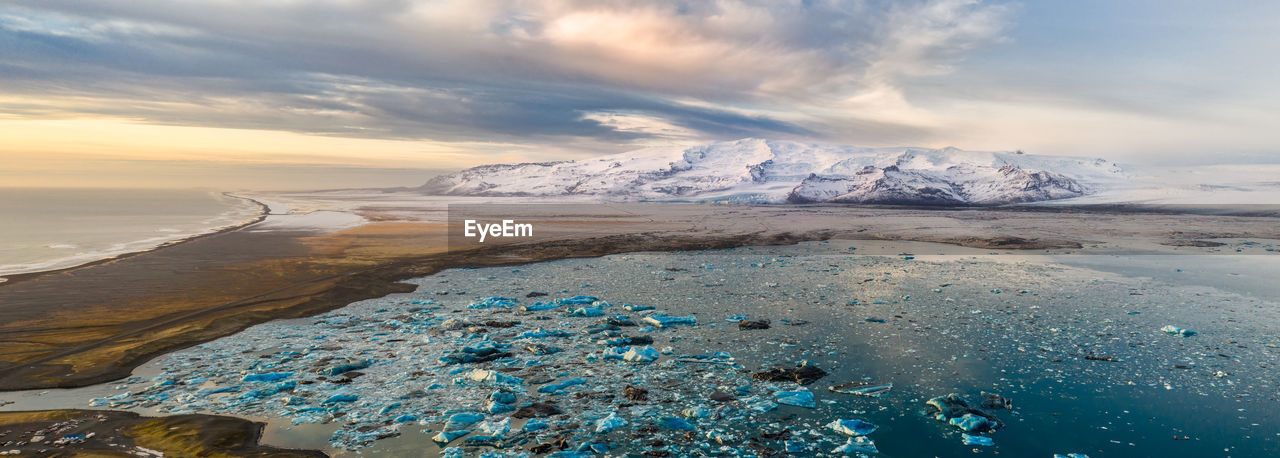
x=1177, y=331
x=967, y=439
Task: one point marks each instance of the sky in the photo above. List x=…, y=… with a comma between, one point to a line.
x=142, y=92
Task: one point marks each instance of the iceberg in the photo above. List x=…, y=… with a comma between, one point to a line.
x=852, y=427
x=662, y=321
x=445, y=437
x=874, y=390
x=967, y=439
x=855, y=445
x=610, y=423
x=645, y=354
x=552, y=388
x=675, y=423
x=799, y=398
x=488, y=376
x=267, y=377
x=461, y=420
x=1177, y=331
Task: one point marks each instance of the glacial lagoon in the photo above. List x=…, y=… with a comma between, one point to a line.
x=701, y=353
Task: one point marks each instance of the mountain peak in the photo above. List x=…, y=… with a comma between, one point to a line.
x=772, y=171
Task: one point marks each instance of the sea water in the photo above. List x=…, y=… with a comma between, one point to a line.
x=52, y=228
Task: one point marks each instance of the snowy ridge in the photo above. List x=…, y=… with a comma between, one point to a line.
x=768, y=171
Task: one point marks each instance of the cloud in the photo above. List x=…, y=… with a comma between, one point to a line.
x=600, y=75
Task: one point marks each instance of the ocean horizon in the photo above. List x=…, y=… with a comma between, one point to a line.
x=56, y=228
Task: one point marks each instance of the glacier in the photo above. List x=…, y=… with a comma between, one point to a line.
x=756, y=170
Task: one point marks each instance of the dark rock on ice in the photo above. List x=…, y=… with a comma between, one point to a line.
x=635, y=394
x=955, y=411
x=537, y=410
x=995, y=401
x=757, y=324
x=804, y=374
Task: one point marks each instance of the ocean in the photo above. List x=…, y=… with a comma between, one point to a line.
x=52, y=228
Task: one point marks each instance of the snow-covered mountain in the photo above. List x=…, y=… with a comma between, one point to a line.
x=768, y=171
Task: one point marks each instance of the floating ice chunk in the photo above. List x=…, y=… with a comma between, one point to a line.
x=488, y=376
x=495, y=407
x=505, y=397
x=389, y=408
x=267, y=377
x=578, y=300
x=1070, y=455
x=862, y=388
x=571, y=455
x=445, y=437
x=1177, y=331
x=585, y=312
x=214, y=390
x=480, y=441
x=637, y=308
x=795, y=446
x=971, y=423
x=540, y=333
x=675, y=423
x=495, y=428
x=643, y=354
x=610, y=423
x=626, y=341
x=854, y=445
x=454, y=324
x=341, y=368
x=340, y=398
x=984, y=441
x=540, y=306
x=698, y=412
x=552, y=388
x=491, y=302
x=406, y=418
x=269, y=391
x=758, y=404
x=799, y=398
x=720, y=436
x=461, y=420
x=852, y=427
x=955, y=411
x=534, y=425
x=542, y=350
x=477, y=354
x=610, y=353
x=719, y=357
x=661, y=321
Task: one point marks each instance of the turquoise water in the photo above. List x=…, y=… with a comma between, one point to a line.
x=43, y=229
